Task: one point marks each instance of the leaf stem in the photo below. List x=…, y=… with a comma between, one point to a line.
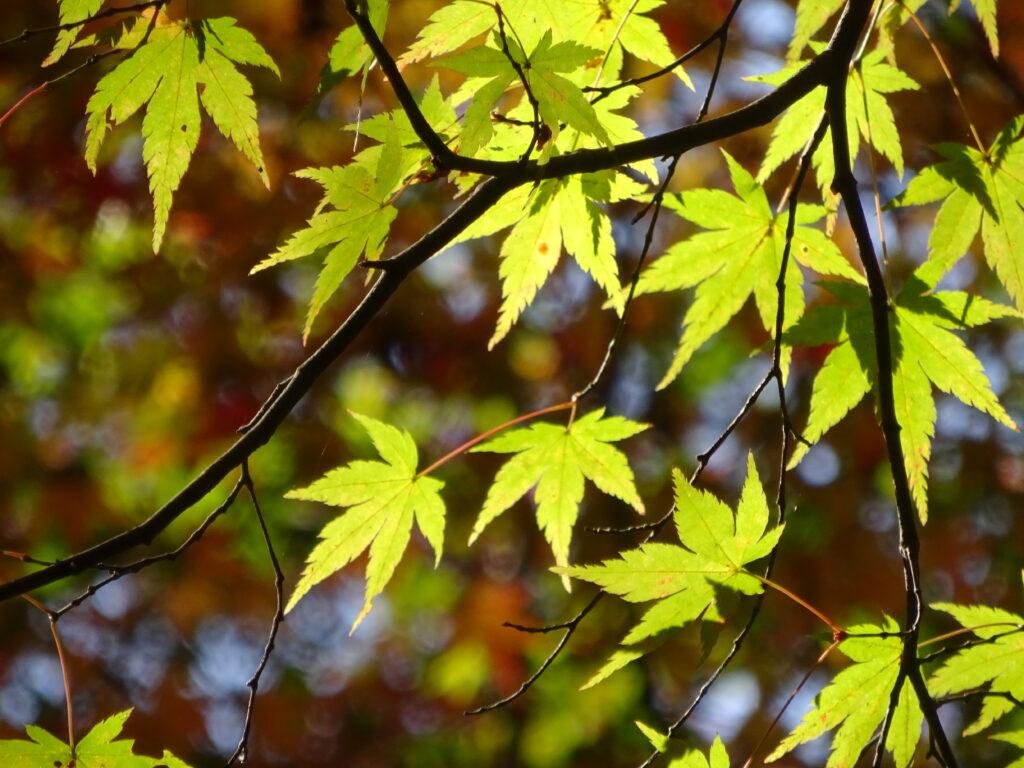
x=949, y=75
x=837, y=630
x=966, y=630
x=52, y=617
x=480, y=438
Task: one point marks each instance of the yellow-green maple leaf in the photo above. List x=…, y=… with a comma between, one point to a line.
x=383, y=500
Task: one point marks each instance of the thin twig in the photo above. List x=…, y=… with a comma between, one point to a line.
x=570, y=628
x=789, y=700
x=241, y=751
x=517, y=67
x=47, y=83
x=949, y=76
x=119, y=571
x=655, y=207
x=717, y=35
x=774, y=373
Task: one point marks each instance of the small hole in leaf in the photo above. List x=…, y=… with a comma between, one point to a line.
x=184, y=128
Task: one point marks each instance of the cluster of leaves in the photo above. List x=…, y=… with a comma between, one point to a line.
x=533, y=72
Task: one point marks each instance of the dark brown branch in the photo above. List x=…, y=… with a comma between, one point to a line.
x=669, y=144
x=435, y=145
x=845, y=184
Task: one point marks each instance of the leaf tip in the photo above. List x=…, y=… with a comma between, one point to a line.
x=362, y=615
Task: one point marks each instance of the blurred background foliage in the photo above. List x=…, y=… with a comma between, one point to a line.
x=124, y=373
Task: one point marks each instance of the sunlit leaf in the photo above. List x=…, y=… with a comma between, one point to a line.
x=854, y=703
x=717, y=546
x=740, y=257
x=926, y=353
x=996, y=664
x=556, y=460
x=384, y=498
x=978, y=190
x=164, y=74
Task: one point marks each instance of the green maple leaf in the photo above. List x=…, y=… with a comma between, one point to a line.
x=1017, y=739
x=717, y=756
x=559, y=99
x=926, y=353
x=717, y=546
x=99, y=748
x=811, y=16
x=854, y=703
x=354, y=217
x=740, y=256
x=978, y=190
x=986, y=10
x=355, y=224
x=350, y=52
x=556, y=460
x=602, y=24
x=384, y=497
x=997, y=663
x=165, y=74
x=868, y=116
x=561, y=214
x=71, y=11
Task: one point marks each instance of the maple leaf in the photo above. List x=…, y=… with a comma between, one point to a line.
x=560, y=214
x=997, y=663
x=868, y=116
x=811, y=16
x=384, y=497
x=71, y=11
x=99, y=748
x=854, y=703
x=602, y=23
x=164, y=74
x=717, y=546
x=556, y=460
x=355, y=214
x=978, y=190
x=356, y=224
x=559, y=100
x=925, y=353
x=1017, y=739
x=741, y=256
x=350, y=52
x=717, y=756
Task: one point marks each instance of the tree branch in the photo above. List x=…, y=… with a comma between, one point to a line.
x=845, y=184
x=508, y=175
